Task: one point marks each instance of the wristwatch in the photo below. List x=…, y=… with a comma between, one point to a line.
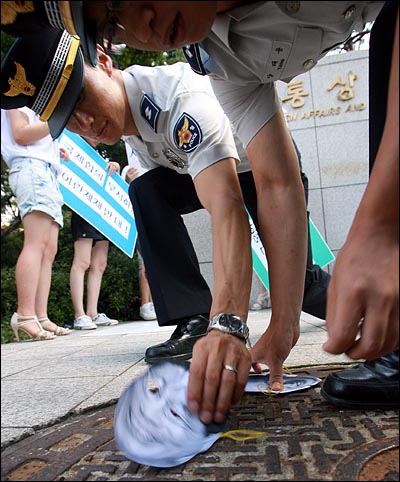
x=231, y=324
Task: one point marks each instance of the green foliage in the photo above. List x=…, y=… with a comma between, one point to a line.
x=8, y=300
x=132, y=56
x=11, y=246
x=120, y=293
x=6, y=42
x=115, y=152
x=59, y=307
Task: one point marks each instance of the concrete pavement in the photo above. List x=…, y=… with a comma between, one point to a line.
x=46, y=382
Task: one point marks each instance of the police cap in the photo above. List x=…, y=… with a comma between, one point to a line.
x=43, y=71
x=24, y=18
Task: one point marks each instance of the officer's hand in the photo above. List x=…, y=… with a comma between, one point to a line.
x=212, y=389
x=363, y=296
x=273, y=347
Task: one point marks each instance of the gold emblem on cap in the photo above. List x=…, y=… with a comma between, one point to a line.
x=19, y=84
x=10, y=11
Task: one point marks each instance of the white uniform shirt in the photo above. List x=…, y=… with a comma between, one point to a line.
x=181, y=124
x=133, y=161
x=45, y=149
x=251, y=46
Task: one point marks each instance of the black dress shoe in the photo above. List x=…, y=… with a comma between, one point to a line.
x=180, y=345
x=370, y=385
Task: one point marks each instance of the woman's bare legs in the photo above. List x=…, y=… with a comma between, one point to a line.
x=145, y=293
x=42, y=295
x=33, y=284
x=80, y=264
x=95, y=276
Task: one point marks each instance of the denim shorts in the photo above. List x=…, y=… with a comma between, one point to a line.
x=35, y=186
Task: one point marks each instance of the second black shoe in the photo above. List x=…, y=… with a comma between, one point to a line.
x=369, y=385
x=180, y=345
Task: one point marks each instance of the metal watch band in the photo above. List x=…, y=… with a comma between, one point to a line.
x=231, y=324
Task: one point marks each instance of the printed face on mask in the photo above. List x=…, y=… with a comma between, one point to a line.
x=153, y=424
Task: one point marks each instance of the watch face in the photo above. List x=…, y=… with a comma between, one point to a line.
x=231, y=321
x=231, y=324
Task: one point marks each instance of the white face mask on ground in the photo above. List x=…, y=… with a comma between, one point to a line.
x=153, y=424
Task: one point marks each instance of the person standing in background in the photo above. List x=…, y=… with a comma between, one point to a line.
x=33, y=158
x=90, y=253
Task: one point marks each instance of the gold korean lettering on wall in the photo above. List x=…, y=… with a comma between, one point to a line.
x=344, y=89
x=345, y=92
x=296, y=94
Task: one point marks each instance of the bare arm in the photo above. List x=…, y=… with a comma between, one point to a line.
x=212, y=389
x=23, y=132
x=283, y=222
x=282, y=218
x=365, y=280
x=219, y=191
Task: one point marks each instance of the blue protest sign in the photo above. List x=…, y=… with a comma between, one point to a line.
x=102, y=200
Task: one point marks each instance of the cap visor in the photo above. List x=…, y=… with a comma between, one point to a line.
x=86, y=28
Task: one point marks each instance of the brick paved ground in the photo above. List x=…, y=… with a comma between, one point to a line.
x=307, y=439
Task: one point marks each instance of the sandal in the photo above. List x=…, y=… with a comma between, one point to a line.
x=52, y=327
x=18, y=322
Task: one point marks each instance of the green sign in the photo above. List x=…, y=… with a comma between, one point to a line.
x=322, y=255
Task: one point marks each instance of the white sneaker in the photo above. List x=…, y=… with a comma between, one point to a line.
x=101, y=319
x=84, y=322
x=263, y=301
x=147, y=312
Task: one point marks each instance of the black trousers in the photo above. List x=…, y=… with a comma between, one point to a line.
x=159, y=198
x=380, y=58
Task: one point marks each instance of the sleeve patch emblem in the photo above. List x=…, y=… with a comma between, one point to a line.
x=187, y=133
x=150, y=111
